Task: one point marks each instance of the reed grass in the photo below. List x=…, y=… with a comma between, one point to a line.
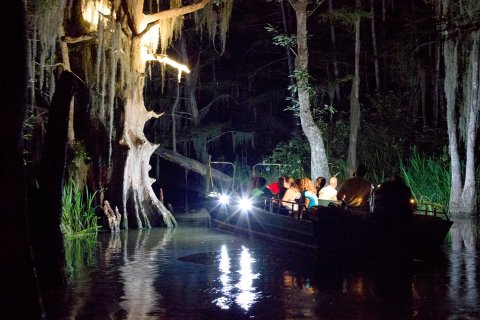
x=428, y=178
x=78, y=211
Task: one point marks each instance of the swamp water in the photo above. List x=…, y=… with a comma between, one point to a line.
x=195, y=272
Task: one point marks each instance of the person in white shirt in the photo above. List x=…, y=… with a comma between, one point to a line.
x=329, y=192
x=289, y=199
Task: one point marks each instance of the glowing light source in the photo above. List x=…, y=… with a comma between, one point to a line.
x=150, y=41
x=93, y=9
x=224, y=199
x=245, y=204
x=180, y=67
x=150, y=44
x=166, y=60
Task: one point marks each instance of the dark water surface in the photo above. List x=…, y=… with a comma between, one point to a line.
x=194, y=272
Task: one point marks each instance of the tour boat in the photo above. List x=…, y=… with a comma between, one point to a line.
x=330, y=227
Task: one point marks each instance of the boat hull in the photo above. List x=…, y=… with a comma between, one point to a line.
x=331, y=228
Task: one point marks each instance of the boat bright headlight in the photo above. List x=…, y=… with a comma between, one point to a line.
x=224, y=199
x=245, y=204
x=212, y=194
x=412, y=201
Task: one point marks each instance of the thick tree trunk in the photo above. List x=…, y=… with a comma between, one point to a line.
x=422, y=82
x=47, y=211
x=19, y=284
x=288, y=48
x=140, y=207
x=46, y=204
x=374, y=45
x=354, y=103
x=463, y=206
x=462, y=197
x=436, y=80
x=334, y=53
x=436, y=74
x=319, y=161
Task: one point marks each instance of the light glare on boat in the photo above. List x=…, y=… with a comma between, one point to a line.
x=224, y=199
x=245, y=204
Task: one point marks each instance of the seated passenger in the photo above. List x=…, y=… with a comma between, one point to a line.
x=329, y=193
x=319, y=184
x=276, y=186
x=291, y=196
x=284, y=184
x=393, y=211
x=392, y=201
x=308, y=191
x=260, y=189
x=356, y=190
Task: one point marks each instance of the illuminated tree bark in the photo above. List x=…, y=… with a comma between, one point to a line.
x=463, y=108
x=354, y=101
x=139, y=205
x=436, y=77
x=319, y=161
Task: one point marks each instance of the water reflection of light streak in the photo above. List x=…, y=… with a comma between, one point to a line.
x=463, y=283
x=139, y=272
x=223, y=302
x=247, y=293
x=243, y=292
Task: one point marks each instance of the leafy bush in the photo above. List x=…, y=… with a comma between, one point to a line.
x=294, y=155
x=78, y=211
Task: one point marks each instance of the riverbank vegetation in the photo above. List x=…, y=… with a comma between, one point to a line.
x=78, y=211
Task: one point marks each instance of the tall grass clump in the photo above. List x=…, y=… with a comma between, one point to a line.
x=428, y=178
x=78, y=211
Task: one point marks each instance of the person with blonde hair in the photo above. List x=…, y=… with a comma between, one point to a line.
x=309, y=193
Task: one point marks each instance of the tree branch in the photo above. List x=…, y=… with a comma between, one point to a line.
x=79, y=39
x=172, y=13
x=149, y=26
x=315, y=9
x=130, y=21
x=222, y=134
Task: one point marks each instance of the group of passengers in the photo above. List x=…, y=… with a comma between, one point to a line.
x=302, y=194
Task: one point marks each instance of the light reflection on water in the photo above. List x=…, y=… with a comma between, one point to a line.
x=236, y=286
x=247, y=294
x=138, y=273
x=198, y=273
x=463, y=284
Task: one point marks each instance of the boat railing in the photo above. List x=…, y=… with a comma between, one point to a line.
x=277, y=206
x=431, y=209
